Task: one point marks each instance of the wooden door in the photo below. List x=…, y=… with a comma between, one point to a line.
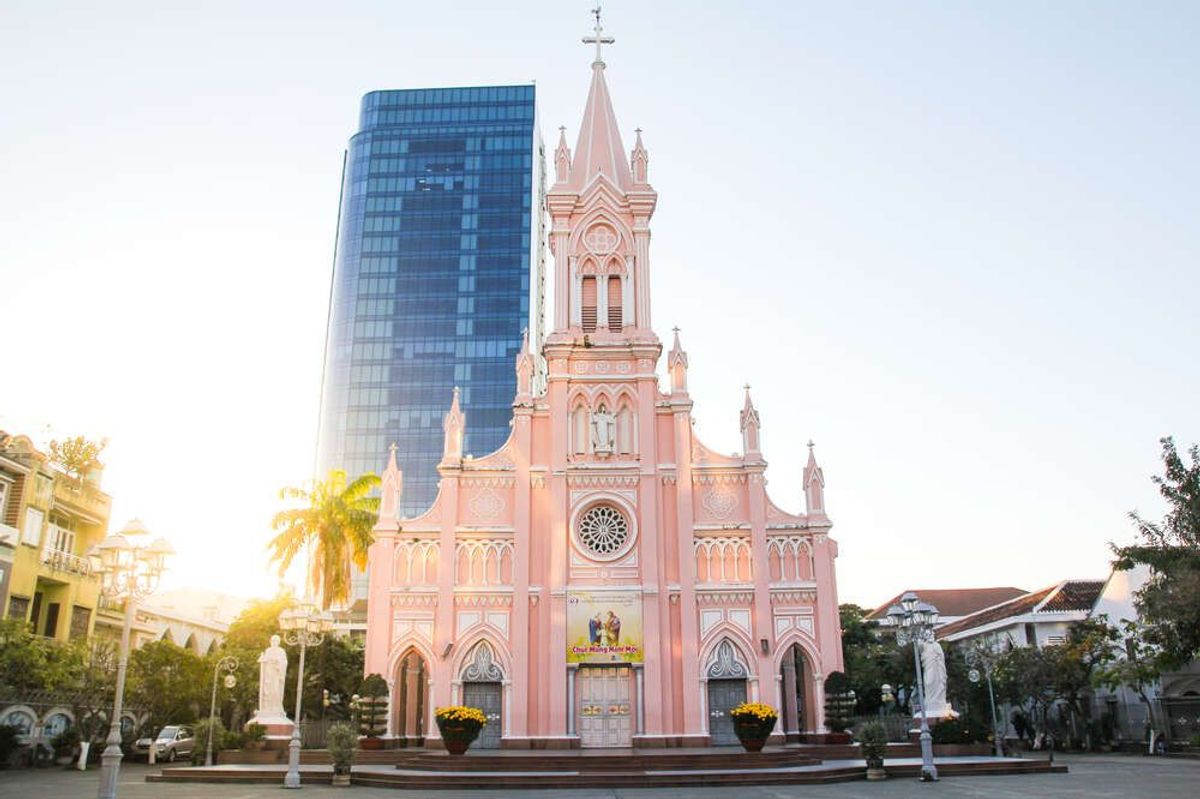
x=605, y=707
x=723, y=696
x=486, y=696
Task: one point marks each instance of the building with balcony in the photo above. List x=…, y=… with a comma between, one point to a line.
x=48, y=522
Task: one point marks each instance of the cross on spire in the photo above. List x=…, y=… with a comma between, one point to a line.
x=599, y=38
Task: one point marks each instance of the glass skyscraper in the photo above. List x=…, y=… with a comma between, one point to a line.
x=439, y=268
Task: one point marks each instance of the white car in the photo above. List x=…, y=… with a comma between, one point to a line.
x=173, y=742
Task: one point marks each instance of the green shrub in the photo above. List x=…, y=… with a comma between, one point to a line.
x=372, y=703
x=960, y=731
x=254, y=733
x=65, y=742
x=219, y=735
x=8, y=743
x=341, y=740
x=839, y=702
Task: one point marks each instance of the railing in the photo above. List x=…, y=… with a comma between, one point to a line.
x=63, y=561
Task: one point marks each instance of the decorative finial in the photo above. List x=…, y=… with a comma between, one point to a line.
x=599, y=38
x=810, y=443
x=675, y=330
x=392, y=449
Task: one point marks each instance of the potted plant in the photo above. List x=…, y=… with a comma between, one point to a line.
x=753, y=722
x=372, y=701
x=64, y=745
x=341, y=740
x=459, y=726
x=872, y=740
x=839, y=708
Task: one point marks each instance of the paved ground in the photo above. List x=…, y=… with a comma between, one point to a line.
x=1091, y=777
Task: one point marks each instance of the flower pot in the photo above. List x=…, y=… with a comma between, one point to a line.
x=371, y=743
x=457, y=746
x=876, y=773
x=752, y=734
x=341, y=780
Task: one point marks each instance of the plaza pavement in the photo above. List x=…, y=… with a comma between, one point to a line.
x=1091, y=777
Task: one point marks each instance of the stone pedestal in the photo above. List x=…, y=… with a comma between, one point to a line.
x=279, y=727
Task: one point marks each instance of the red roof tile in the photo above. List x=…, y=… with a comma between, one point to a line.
x=955, y=601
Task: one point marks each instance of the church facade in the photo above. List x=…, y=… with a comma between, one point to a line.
x=604, y=579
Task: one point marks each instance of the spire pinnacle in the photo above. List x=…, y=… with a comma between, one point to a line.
x=598, y=38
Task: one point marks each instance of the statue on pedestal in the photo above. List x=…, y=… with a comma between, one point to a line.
x=933, y=667
x=272, y=672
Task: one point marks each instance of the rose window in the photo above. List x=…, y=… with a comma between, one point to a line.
x=603, y=531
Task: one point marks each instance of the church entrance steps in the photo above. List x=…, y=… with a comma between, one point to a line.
x=609, y=769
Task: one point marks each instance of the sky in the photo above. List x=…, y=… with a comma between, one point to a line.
x=956, y=245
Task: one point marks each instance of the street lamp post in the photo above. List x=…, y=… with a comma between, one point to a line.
x=129, y=566
x=229, y=664
x=913, y=621
x=985, y=660
x=303, y=624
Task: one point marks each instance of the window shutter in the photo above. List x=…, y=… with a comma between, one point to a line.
x=614, y=304
x=589, y=304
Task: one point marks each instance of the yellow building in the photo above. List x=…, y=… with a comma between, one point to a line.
x=48, y=522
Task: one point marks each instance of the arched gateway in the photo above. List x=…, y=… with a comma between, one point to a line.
x=604, y=578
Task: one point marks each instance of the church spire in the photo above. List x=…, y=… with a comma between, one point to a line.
x=814, y=485
x=677, y=364
x=453, y=426
x=599, y=150
x=750, y=427
x=391, y=489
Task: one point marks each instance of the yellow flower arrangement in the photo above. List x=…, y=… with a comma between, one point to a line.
x=458, y=713
x=755, y=711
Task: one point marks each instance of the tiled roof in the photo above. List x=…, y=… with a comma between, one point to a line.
x=1075, y=595
x=955, y=601
x=1069, y=595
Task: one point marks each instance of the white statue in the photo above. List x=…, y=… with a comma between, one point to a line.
x=933, y=668
x=272, y=665
x=603, y=427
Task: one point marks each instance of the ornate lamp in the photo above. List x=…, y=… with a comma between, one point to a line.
x=303, y=624
x=913, y=621
x=129, y=566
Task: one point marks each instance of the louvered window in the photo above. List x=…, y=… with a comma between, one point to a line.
x=589, y=305
x=614, y=304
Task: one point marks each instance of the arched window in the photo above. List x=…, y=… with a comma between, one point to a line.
x=588, y=306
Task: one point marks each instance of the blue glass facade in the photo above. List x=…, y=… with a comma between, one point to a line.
x=439, y=268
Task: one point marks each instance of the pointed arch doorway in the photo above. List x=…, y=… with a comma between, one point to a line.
x=409, y=693
x=726, y=676
x=796, y=688
x=483, y=687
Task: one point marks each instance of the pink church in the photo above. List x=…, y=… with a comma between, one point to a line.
x=604, y=579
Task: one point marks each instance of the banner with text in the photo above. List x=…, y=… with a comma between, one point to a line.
x=604, y=627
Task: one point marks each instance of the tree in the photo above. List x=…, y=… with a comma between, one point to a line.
x=1135, y=666
x=1087, y=649
x=1025, y=677
x=169, y=682
x=77, y=456
x=865, y=656
x=337, y=522
x=1169, y=602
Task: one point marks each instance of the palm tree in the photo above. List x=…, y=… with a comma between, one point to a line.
x=337, y=521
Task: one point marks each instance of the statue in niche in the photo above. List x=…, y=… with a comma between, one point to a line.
x=603, y=428
x=272, y=665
